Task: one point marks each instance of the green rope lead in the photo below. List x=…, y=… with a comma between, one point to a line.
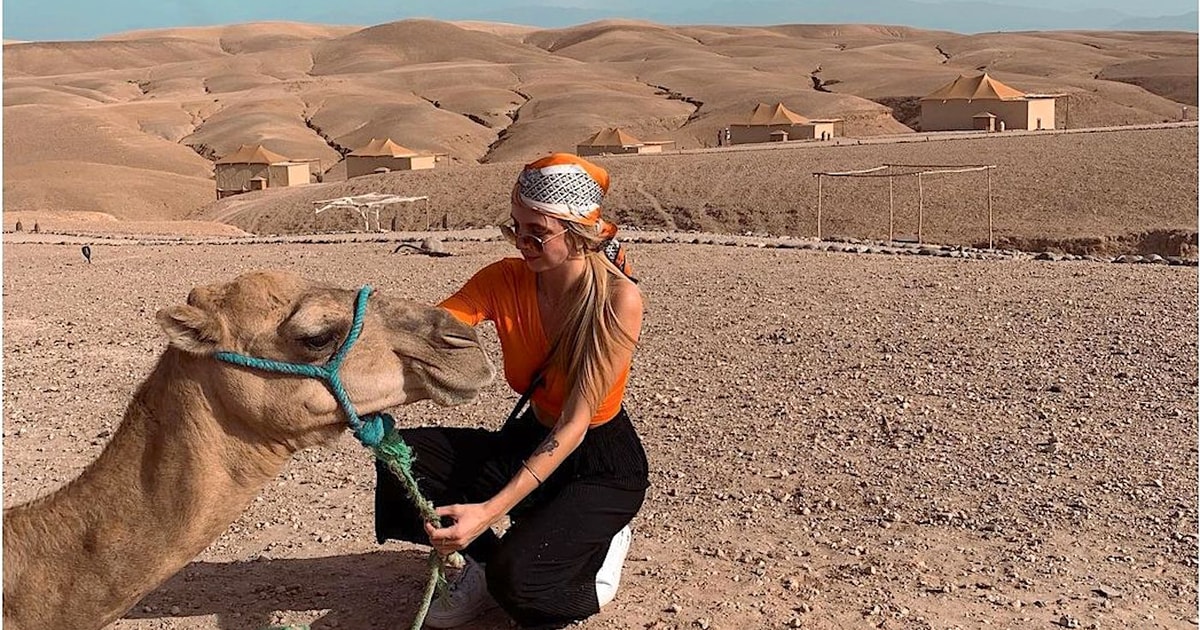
x=398, y=456
x=376, y=431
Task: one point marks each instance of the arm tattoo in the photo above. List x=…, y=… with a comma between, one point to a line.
x=547, y=446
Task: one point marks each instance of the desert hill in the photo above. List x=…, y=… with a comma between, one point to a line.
x=129, y=125
x=1060, y=191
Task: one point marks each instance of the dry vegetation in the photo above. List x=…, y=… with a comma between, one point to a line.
x=837, y=441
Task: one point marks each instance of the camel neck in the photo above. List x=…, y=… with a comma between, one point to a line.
x=168, y=483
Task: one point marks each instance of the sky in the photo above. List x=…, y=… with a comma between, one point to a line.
x=42, y=20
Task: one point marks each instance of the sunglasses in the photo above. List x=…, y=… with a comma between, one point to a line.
x=526, y=241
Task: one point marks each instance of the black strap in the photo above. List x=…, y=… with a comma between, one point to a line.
x=533, y=385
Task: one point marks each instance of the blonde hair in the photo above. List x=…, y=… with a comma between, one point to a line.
x=590, y=334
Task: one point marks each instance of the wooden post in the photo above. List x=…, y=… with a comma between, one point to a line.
x=891, y=210
x=920, y=209
x=991, y=234
x=818, y=206
x=427, y=214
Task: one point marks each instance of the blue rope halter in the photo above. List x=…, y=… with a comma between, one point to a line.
x=376, y=431
x=370, y=429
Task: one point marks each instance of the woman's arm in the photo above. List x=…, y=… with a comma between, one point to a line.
x=567, y=435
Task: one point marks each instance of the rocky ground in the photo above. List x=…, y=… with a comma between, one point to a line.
x=836, y=440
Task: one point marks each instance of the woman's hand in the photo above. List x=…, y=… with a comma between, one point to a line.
x=470, y=520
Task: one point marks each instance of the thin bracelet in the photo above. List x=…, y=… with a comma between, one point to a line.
x=525, y=464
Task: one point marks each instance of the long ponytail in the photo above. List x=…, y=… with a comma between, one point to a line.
x=591, y=334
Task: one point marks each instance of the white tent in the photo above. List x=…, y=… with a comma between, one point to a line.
x=363, y=204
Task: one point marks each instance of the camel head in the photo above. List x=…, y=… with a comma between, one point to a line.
x=406, y=352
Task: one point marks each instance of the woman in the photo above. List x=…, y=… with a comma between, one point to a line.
x=570, y=471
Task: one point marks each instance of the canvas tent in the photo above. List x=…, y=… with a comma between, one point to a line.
x=614, y=140
x=766, y=122
x=254, y=167
x=384, y=154
x=955, y=106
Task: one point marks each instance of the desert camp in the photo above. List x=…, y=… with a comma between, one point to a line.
x=954, y=105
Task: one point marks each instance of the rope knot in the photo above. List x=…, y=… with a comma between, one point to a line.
x=374, y=427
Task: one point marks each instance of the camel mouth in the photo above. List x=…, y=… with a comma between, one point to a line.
x=447, y=387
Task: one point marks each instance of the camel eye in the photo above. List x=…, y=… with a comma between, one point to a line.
x=319, y=342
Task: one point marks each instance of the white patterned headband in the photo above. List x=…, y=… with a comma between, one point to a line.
x=564, y=191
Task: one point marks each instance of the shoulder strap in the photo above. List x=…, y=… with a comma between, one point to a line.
x=538, y=377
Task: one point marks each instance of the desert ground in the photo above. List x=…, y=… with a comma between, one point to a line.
x=836, y=440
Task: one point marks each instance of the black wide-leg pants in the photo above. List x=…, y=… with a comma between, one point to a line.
x=543, y=570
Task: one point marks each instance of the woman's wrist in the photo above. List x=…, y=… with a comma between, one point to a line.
x=500, y=504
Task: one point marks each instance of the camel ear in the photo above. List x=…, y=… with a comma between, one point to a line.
x=190, y=329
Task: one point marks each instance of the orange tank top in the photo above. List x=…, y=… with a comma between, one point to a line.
x=505, y=293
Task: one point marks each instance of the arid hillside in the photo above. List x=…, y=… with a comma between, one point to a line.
x=130, y=125
x=1083, y=192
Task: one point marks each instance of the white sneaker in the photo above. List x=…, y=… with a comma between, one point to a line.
x=466, y=598
x=608, y=578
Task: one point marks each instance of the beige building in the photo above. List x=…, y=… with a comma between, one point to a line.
x=776, y=123
x=615, y=140
x=383, y=156
x=981, y=102
x=253, y=167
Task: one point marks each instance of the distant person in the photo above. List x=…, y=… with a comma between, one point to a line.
x=36, y=228
x=569, y=470
x=20, y=228
x=87, y=254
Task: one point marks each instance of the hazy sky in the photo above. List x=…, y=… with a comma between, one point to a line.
x=85, y=19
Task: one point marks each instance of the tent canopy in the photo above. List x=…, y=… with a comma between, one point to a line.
x=370, y=203
x=979, y=87
x=612, y=137
x=777, y=114
x=252, y=154
x=382, y=148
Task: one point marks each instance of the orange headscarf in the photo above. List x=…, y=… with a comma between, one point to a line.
x=566, y=187
x=570, y=188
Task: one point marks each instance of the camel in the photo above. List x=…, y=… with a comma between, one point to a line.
x=201, y=437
